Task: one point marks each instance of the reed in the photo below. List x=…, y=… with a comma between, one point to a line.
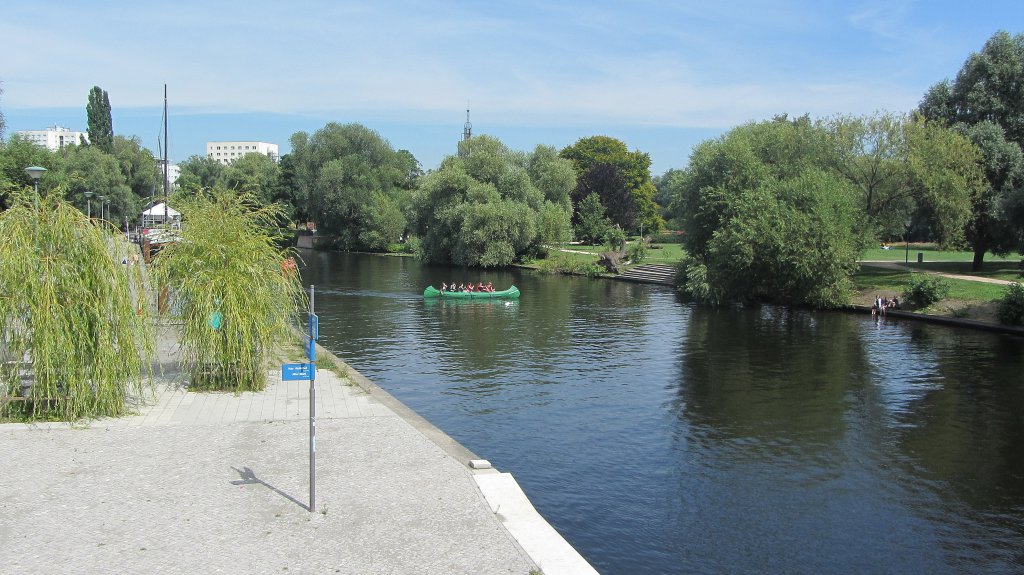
x=77, y=336
x=227, y=284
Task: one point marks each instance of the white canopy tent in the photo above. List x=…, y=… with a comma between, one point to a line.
x=161, y=214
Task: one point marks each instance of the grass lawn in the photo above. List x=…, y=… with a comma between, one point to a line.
x=657, y=254
x=967, y=299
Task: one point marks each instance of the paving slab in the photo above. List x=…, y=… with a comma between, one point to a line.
x=219, y=483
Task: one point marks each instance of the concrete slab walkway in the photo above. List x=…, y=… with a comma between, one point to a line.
x=218, y=483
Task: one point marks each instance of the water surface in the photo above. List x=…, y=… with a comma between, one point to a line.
x=663, y=438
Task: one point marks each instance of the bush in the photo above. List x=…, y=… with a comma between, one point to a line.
x=1011, y=306
x=637, y=252
x=565, y=264
x=924, y=290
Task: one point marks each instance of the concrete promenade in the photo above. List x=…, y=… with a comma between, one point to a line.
x=218, y=483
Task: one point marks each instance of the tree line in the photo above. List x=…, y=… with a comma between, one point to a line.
x=775, y=210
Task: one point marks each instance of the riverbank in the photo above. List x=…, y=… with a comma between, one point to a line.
x=211, y=482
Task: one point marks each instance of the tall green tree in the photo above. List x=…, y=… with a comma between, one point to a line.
x=634, y=168
x=764, y=222
x=15, y=155
x=482, y=208
x=254, y=174
x=986, y=102
x=199, y=173
x=138, y=166
x=997, y=220
x=989, y=86
x=100, y=122
x=351, y=181
x=84, y=169
x=905, y=167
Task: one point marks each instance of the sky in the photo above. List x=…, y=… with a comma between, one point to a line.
x=661, y=76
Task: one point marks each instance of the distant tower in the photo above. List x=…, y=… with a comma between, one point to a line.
x=467, y=133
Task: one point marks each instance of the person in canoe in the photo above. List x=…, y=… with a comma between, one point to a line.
x=444, y=287
x=489, y=287
x=480, y=287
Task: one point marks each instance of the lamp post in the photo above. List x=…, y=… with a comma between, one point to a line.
x=108, y=209
x=906, y=238
x=88, y=204
x=35, y=172
x=101, y=198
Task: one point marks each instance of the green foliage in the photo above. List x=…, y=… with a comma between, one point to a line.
x=350, y=181
x=483, y=209
x=89, y=169
x=138, y=167
x=615, y=238
x=235, y=300
x=997, y=219
x=554, y=224
x=567, y=264
x=764, y=223
x=253, y=174
x=605, y=166
x=15, y=156
x=592, y=222
x=1011, y=306
x=74, y=321
x=199, y=173
x=637, y=251
x=989, y=87
x=925, y=289
x=905, y=167
x=101, y=126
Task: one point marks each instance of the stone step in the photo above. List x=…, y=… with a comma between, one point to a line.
x=650, y=273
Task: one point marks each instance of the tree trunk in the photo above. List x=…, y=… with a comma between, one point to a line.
x=980, y=247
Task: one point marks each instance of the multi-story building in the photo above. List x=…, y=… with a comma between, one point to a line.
x=227, y=152
x=54, y=138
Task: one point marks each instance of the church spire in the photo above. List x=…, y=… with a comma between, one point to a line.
x=467, y=133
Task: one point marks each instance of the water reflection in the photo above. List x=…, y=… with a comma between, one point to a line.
x=660, y=438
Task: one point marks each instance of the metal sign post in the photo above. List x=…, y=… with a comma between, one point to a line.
x=314, y=324
x=301, y=371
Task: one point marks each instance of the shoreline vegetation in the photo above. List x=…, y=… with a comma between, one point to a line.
x=886, y=273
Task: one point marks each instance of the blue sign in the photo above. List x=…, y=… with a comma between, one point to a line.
x=310, y=349
x=297, y=371
x=314, y=326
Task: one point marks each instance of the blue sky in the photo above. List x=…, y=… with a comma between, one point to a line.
x=661, y=76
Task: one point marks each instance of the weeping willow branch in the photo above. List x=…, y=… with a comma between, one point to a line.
x=77, y=337
x=227, y=283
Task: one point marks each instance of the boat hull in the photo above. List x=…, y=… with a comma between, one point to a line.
x=510, y=293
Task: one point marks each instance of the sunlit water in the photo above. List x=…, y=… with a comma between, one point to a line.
x=663, y=438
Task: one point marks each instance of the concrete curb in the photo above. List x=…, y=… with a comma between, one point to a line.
x=534, y=535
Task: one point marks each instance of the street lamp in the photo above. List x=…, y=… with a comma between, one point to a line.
x=35, y=172
x=108, y=208
x=101, y=198
x=88, y=204
x=906, y=238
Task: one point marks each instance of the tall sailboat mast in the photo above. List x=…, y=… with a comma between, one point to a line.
x=166, y=146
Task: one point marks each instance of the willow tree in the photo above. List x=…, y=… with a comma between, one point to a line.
x=76, y=332
x=227, y=281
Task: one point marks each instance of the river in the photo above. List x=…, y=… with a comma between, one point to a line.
x=660, y=437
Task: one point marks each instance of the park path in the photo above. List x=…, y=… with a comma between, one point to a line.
x=218, y=483
x=905, y=267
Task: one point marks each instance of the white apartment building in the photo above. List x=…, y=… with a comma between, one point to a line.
x=54, y=138
x=173, y=171
x=227, y=152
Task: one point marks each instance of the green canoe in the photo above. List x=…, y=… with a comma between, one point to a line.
x=510, y=293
